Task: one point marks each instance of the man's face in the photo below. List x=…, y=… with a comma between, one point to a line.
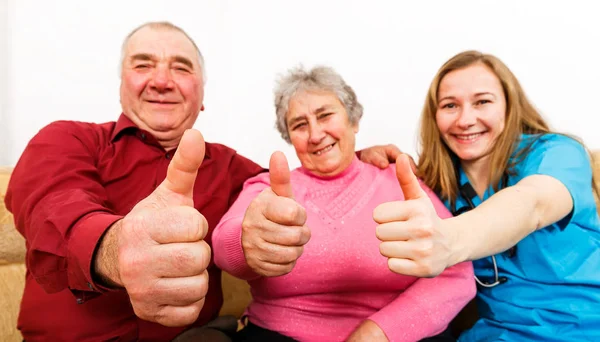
x=161, y=83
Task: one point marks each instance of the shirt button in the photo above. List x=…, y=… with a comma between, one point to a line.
x=79, y=300
x=143, y=136
x=90, y=286
x=168, y=156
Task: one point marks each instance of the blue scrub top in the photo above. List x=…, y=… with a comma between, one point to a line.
x=552, y=292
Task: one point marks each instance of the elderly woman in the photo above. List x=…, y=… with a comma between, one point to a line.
x=335, y=286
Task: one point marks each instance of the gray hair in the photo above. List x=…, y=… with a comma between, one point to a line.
x=164, y=25
x=319, y=78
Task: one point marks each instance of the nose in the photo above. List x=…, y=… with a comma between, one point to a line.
x=467, y=117
x=317, y=134
x=161, y=79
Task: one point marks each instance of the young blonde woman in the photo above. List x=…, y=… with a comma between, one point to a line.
x=523, y=200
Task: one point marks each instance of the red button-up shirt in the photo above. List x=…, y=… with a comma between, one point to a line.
x=72, y=182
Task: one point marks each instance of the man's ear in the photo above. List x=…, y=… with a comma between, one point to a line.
x=202, y=108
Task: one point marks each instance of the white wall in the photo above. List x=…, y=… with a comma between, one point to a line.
x=5, y=142
x=63, y=57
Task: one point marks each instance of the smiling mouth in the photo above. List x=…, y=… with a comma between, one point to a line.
x=324, y=149
x=162, y=102
x=468, y=137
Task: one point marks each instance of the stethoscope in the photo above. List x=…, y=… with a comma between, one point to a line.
x=468, y=193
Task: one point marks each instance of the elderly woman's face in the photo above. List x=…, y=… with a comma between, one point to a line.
x=321, y=132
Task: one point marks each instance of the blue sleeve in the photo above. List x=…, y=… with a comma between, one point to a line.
x=566, y=160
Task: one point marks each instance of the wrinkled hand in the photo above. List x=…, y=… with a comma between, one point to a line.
x=382, y=155
x=157, y=249
x=411, y=231
x=273, y=229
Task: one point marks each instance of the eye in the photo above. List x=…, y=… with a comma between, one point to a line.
x=181, y=68
x=482, y=102
x=141, y=66
x=449, y=105
x=324, y=115
x=298, y=126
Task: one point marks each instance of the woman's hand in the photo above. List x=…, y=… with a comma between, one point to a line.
x=273, y=230
x=412, y=234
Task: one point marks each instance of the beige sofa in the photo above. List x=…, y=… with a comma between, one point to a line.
x=12, y=273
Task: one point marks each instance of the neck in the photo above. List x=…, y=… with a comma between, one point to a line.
x=169, y=140
x=169, y=145
x=478, y=173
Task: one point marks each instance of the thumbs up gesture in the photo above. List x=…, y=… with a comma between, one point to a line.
x=157, y=252
x=273, y=229
x=411, y=232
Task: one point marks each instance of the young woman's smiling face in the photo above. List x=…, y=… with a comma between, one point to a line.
x=471, y=111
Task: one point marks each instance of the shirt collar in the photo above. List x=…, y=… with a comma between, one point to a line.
x=462, y=180
x=123, y=124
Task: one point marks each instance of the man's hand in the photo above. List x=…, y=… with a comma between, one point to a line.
x=157, y=252
x=382, y=155
x=411, y=231
x=273, y=230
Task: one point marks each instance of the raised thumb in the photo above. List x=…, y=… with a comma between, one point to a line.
x=408, y=181
x=279, y=174
x=183, y=168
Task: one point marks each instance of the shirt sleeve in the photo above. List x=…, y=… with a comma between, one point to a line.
x=60, y=207
x=240, y=170
x=566, y=160
x=427, y=307
x=227, y=236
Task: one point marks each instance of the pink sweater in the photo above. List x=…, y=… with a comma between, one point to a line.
x=341, y=279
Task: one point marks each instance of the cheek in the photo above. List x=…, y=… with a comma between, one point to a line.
x=191, y=89
x=442, y=122
x=134, y=84
x=350, y=136
x=339, y=128
x=299, y=143
x=498, y=121
x=133, y=87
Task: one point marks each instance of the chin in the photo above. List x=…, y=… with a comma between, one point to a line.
x=164, y=125
x=326, y=170
x=470, y=155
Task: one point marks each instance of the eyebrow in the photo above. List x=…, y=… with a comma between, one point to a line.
x=296, y=119
x=184, y=60
x=476, y=95
x=323, y=109
x=317, y=112
x=148, y=57
x=141, y=57
x=485, y=93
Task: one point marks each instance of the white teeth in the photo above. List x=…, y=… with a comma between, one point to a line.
x=469, y=136
x=319, y=152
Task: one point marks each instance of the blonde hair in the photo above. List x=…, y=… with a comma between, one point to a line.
x=437, y=161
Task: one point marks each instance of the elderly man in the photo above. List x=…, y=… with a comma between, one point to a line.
x=118, y=216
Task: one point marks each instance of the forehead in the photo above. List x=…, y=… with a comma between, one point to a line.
x=163, y=43
x=312, y=100
x=472, y=79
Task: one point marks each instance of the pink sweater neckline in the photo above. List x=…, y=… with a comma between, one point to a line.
x=353, y=168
